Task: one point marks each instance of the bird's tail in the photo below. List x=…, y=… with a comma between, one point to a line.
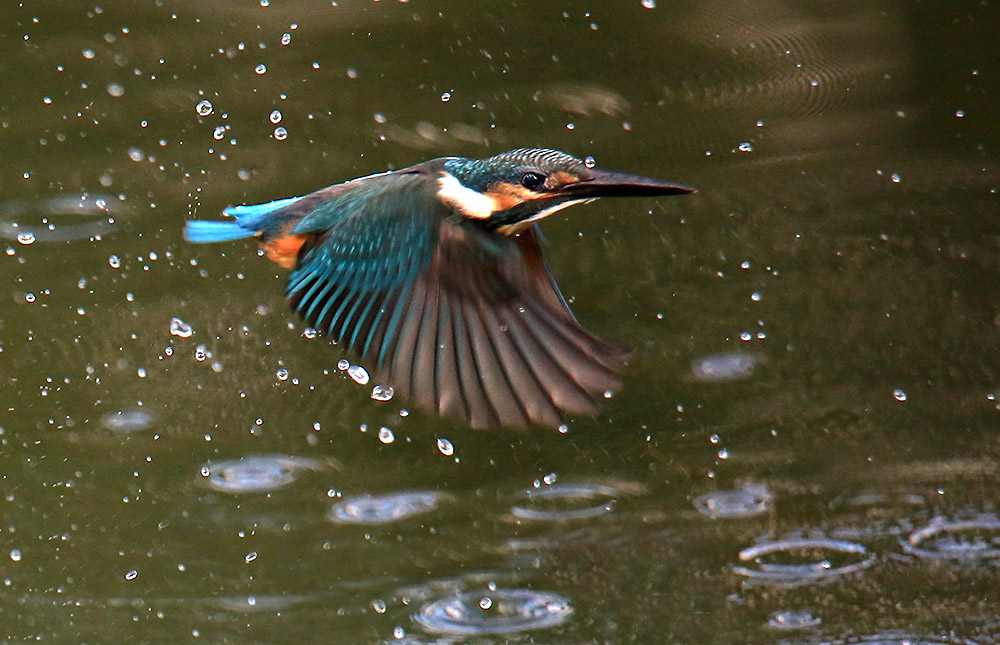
x=202, y=231
x=250, y=221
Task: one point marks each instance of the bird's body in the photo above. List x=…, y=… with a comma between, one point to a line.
x=434, y=275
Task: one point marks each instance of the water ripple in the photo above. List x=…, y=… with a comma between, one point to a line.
x=835, y=558
x=96, y=207
x=975, y=539
x=256, y=473
x=382, y=509
x=565, y=502
x=496, y=612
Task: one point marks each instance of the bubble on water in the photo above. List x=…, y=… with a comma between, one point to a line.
x=275, y=116
x=359, y=374
x=256, y=473
x=260, y=69
x=899, y=395
x=507, y=611
x=382, y=392
x=747, y=502
x=219, y=133
x=445, y=446
x=180, y=328
x=115, y=89
x=793, y=619
x=204, y=108
x=385, y=435
x=382, y=509
x=136, y=154
x=445, y=97
x=280, y=133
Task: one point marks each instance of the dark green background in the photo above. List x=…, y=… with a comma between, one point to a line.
x=866, y=285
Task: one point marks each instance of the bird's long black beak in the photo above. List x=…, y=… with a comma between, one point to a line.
x=603, y=183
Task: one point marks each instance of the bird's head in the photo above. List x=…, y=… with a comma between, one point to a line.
x=510, y=190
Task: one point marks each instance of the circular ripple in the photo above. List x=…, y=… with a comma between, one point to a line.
x=565, y=502
x=970, y=539
x=850, y=557
x=750, y=501
x=497, y=612
x=256, y=473
x=382, y=509
x=97, y=208
x=901, y=638
x=794, y=619
x=720, y=368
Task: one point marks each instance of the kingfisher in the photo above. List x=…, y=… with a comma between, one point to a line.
x=434, y=275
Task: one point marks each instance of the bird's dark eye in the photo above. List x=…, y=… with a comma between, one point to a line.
x=532, y=180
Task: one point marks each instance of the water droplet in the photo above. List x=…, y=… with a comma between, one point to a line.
x=649, y=4
x=379, y=606
x=114, y=261
x=115, y=89
x=446, y=97
x=895, y=178
x=485, y=603
x=180, y=328
x=745, y=147
x=359, y=374
x=280, y=134
x=88, y=53
x=343, y=364
x=204, y=108
x=446, y=447
x=899, y=395
x=286, y=38
x=260, y=69
x=382, y=392
x=275, y=117
x=26, y=238
x=15, y=555
x=219, y=133
x=385, y=435
x=589, y=162
x=136, y=154
x=132, y=575
x=282, y=374
x=959, y=113
x=250, y=557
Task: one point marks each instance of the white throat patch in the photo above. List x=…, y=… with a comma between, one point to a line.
x=472, y=203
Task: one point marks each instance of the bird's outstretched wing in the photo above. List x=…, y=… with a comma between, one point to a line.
x=463, y=322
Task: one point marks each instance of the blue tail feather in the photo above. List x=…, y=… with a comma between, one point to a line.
x=201, y=231
x=250, y=215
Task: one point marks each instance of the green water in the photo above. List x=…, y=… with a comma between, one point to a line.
x=842, y=256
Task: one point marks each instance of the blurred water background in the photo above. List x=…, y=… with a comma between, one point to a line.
x=806, y=446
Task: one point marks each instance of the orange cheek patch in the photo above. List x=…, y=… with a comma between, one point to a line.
x=510, y=195
x=284, y=250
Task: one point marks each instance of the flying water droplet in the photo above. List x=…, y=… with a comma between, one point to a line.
x=26, y=238
x=180, y=328
x=649, y=4
x=446, y=447
x=385, y=435
x=359, y=374
x=261, y=69
x=446, y=97
x=204, y=108
x=280, y=133
x=589, y=162
x=382, y=392
x=116, y=90
x=286, y=38
x=745, y=147
x=219, y=133
x=275, y=117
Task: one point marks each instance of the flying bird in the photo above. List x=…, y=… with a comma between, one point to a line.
x=435, y=276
